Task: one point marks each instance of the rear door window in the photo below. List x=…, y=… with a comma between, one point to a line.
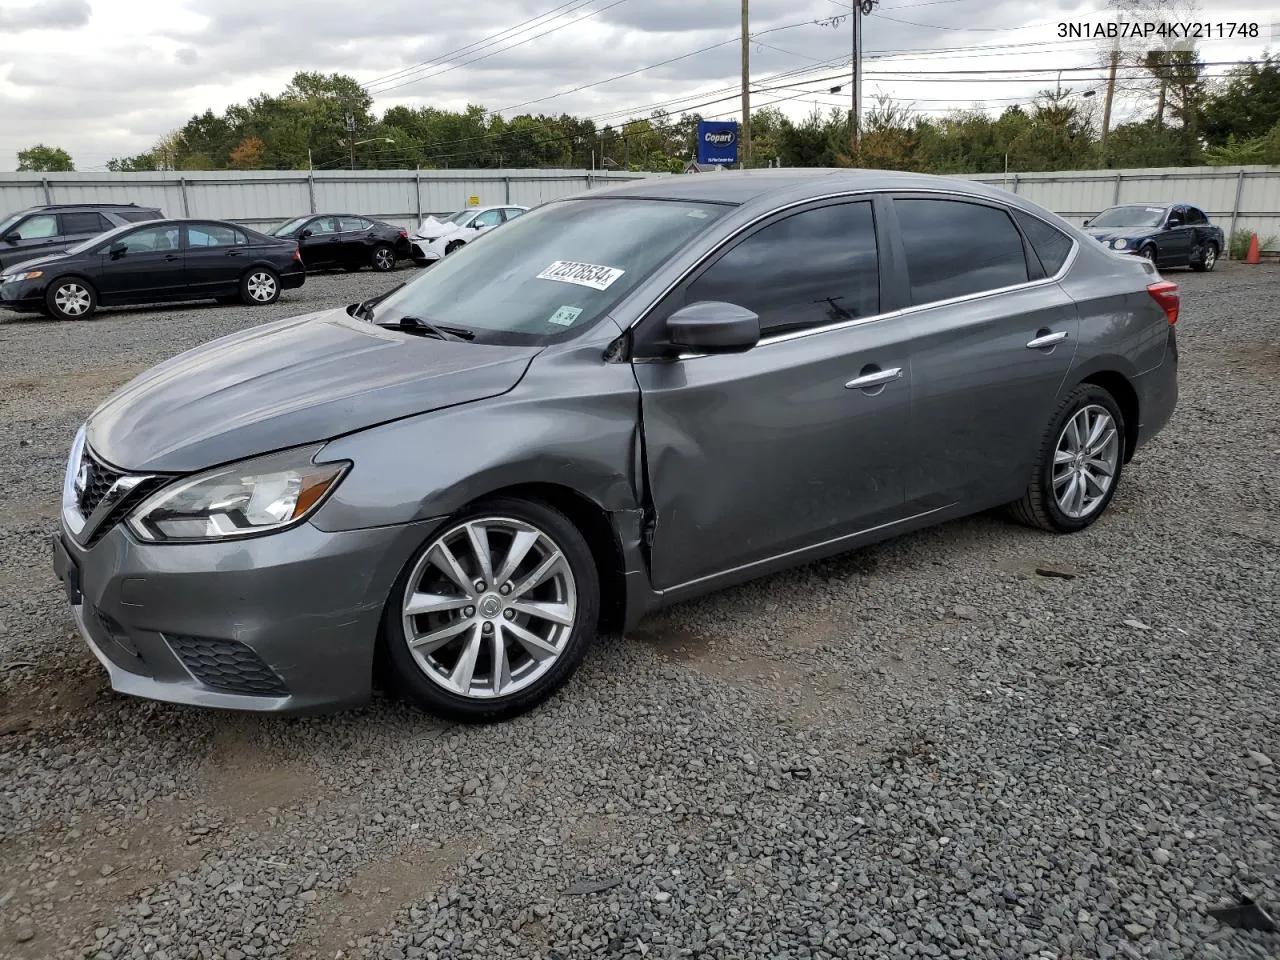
x=79, y=224
x=203, y=235
x=957, y=248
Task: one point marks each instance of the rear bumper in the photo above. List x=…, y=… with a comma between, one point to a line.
x=283, y=623
x=1157, y=391
x=294, y=279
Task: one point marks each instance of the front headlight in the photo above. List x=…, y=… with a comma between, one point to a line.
x=247, y=498
x=19, y=277
x=1117, y=244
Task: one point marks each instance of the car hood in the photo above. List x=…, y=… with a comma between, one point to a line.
x=1113, y=233
x=34, y=263
x=286, y=383
x=436, y=232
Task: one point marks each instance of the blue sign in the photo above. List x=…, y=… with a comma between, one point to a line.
x=718, y=141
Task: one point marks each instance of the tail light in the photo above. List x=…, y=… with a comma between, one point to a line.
x=297, y=255
x=404, y=234
x=1166, y=294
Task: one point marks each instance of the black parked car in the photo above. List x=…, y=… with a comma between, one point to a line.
x=39, y=231
x=156, y=262
x=1169, y=235
x=347, y=241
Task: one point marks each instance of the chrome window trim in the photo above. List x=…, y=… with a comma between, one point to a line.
x=857, y=321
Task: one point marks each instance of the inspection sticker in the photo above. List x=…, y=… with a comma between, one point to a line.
x=583, y=274
x=565, y=316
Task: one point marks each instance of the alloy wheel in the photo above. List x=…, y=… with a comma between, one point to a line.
x=1210, y=256
x=262, y=287
x=72, y=299
x=489, y=608
x=1085, y=460
x=383, y=259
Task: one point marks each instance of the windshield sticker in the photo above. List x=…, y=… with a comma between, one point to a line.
x=1155, y=209
x=698, y=214
x=583, y=274
x=565, y=316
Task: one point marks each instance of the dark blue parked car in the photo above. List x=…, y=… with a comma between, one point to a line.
x=1169, y=235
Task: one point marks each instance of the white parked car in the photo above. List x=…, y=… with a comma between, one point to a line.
x=436, y=238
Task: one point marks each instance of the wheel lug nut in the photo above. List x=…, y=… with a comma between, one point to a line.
x=509, y=614
x=506, y=588
x=469, y=612
x=480, y=586
x=488, y=627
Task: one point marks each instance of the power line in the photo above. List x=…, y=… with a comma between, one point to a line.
x=468, y=48
x=486, y=56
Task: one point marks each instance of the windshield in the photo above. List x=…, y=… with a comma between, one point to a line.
x=289, y=227
x=7, y=223
x=461, y=216
x=1133, y=215
x=551, y=272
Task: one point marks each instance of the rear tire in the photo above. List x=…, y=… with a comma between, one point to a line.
x=1079, y=464
x=260, y=287
x=383, y=258
x=456, y=611
x=71, y=298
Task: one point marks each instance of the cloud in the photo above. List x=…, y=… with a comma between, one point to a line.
x=149, y=65
x=45, y=15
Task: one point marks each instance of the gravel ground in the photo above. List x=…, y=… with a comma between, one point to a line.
x=930, y=748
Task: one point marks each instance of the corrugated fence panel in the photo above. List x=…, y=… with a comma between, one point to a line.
x=1246, y=198
x=257, y=202
x=386, y=198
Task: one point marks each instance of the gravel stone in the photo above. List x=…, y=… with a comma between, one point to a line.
x=928, y=748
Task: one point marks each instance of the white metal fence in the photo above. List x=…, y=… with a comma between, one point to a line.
x=263, y=197
x=1246, y=198
x=1235, y=198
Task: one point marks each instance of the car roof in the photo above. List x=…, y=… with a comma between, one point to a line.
x=772, y=186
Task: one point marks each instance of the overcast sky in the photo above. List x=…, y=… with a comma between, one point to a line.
x=104, y=78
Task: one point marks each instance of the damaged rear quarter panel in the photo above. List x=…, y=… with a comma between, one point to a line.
x=572, y=421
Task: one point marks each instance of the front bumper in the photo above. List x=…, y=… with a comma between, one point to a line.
x=285, y=622
x=25, y=296
x=422, y=252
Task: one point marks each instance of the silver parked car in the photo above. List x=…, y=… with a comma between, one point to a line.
x=620, y=400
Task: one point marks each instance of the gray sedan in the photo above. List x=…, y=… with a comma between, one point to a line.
x=618, y=401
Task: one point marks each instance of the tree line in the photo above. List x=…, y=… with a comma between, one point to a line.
x=327, y=121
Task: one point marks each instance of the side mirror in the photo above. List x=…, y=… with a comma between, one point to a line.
x=1086, y=223
x=1175, y=222
x=12, y=237
x=304, y=234
x=712, y=326
x=118, y=249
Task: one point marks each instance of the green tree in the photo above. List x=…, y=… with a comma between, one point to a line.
x=141, y=162
x=43, y=159
x=1246, y=105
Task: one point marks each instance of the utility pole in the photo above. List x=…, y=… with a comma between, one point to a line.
x=1106, y=106
x=860, y=9
x=745, y=145
x=351, y=137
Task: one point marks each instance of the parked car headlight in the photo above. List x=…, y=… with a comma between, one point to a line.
x=247, y=498
x=1117, y=244
x=19, y=277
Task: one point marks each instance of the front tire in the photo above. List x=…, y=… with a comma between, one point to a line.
x=1208, y=259
x=383, y=258
x=455, y=245
x=1148, y=253
x=1079, y=465
x=260, y=286
x=494, y=613
x=71, y=299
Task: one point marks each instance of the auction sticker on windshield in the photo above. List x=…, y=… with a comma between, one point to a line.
x=583, y=274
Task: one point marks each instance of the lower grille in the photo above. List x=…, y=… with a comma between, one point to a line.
x=228, y=666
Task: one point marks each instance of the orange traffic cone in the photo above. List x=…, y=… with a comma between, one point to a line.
x=1252, y=255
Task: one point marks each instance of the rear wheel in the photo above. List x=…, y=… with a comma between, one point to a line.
x=494, y=613
x=383, y=258
x=71, y=299
x=1079, y=465
x=260, y=286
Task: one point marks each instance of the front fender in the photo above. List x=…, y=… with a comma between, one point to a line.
x=572, y=421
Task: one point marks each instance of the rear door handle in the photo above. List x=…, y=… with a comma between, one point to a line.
x=233, y=253
x=1047, y=340
x=874, y=379
x=171, y=257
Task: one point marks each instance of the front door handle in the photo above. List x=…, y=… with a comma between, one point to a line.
x=171, y=257
x=879, y=377
x=1047, y=340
